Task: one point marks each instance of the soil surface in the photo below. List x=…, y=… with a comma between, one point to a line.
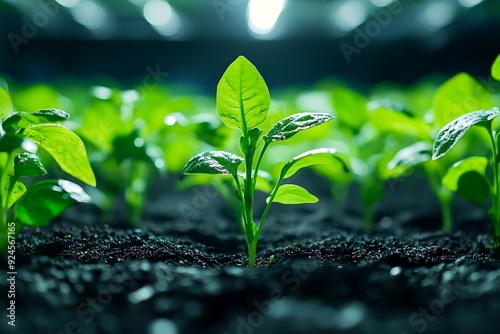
x=182, y=270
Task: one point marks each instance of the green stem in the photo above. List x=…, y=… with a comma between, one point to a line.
x=445, y=202
x=248, y=206
x=268, y=206
x=259, y=160
x=495, y=198
x=252, y=253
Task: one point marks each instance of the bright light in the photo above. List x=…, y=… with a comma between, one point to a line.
x=170, y=120
x=68, y=3
x=470, y=3
x=437, y=15
x=263, y=14
x=349, y=15
x=89, y=14
x=162, y=17
x=381, y=3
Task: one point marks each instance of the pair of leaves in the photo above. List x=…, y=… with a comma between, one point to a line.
x=62, y=144
x=220, y=162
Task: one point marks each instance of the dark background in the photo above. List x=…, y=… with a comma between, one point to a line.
x=304, y=48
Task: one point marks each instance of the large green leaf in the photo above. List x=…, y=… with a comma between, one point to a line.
x=20, y=120
x=213, y=162
x=293, y=194
x=474, y=187
x=315, y=157
x=5, y=104
x=495, y=69
x=28, y=164
x=458, y=96
x=350, y=107
x=45, y=200
x=293, y=124
x=452, y=177
x=66, y=148
x=408, y=158
x=451, y=133
x=243, y=98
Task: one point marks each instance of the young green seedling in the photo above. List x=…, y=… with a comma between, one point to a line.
x=468, y=177
x=38, y=204
x=243, y=102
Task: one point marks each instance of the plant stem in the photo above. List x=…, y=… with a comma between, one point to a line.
x=252, y=253
x=248, y=205
x=495, y=198
x=445, y=201
x=257, y=166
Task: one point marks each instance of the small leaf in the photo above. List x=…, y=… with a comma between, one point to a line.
x=451, y=133
x=293, y=124
x=409, y=157
x=315, y=157
x=350, y=108
x=5, y=104
x=243, y=98
x=452, y=177
x=28, y=164
x=45, y=200
x=23, y=119
x=66, y=148
x=18, y=191
x=458, y=96
x=495, y=69
x=474, y=187
x=213, y=162
x=293, y=194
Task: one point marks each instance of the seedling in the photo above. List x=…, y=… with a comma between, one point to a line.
x=468, y=177
x=38, y=204
x=243, y=102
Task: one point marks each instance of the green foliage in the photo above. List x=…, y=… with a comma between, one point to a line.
x=495, y=69
x=469, y=177
x=451, y=133
x=41, y=202
x=458, y=96
x=243, y=102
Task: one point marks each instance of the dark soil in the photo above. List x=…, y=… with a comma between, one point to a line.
x=317, y=272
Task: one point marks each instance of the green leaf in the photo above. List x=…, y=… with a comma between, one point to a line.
x=213, y=162
x=18, y=191
x=474, y=187
x=9, y=142
x=293, y=124
x=66, y=148
x=28, y=164
x=293, y=194
x=458, y=96
x=409, y=157
x=314, y=157
x=395, y=122
x=45, y=200
x=495, y=69
x=350, y=108
x=5, y=104
x=451, y=133
x=23, y=119
x=243, y=98
x=452, y=176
